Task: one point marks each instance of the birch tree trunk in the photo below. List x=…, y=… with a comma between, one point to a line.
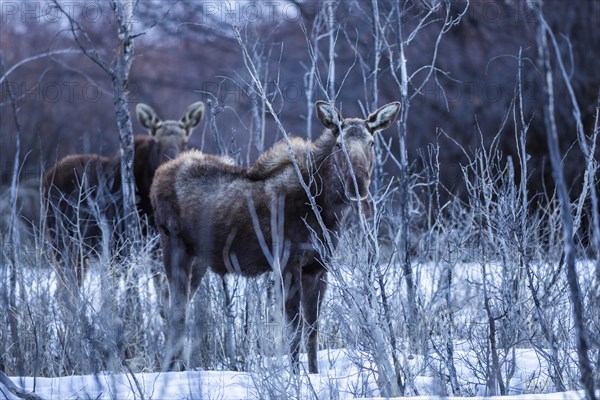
x=118, y=71
x=120, y=79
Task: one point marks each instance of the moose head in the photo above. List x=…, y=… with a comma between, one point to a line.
x=353, y=154
x=170, y=136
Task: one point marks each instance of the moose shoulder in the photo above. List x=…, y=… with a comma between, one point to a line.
x=213, y=213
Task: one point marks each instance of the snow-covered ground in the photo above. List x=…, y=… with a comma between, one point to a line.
x=339, y=378
x=344, y=373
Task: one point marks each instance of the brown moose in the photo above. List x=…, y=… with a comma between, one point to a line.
x=82, y=191
x=211, y=212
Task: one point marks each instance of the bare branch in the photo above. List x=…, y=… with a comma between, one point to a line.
x=17, y=391
x=27, y=60
x=251, y=68
x=91, y=53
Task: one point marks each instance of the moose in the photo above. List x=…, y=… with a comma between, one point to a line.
x=82, y=191
x=213, y=213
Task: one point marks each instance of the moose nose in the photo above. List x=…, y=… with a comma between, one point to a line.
x=362, y=183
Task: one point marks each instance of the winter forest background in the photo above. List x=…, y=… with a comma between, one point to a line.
x=484, y=274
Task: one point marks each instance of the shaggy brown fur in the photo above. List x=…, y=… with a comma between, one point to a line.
x=82, y=191
x=211, y=212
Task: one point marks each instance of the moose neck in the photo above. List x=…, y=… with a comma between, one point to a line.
x=329, y=187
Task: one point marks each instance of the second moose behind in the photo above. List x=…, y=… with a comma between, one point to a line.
x=83, y=191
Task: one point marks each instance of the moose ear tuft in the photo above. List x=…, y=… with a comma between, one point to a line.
x=147, y=117
x=193, y=115
x=383, y=117
x=330, y=117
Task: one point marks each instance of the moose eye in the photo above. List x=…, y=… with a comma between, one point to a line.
x=338, y=145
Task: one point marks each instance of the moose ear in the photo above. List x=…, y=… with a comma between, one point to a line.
x=383, y=117
x=147, y=117
x=193, y=115
x=329, y=116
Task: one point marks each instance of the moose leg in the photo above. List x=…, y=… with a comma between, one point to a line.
x=197, y=270
x=293, y=298
x=313, y=290
x=177, y=266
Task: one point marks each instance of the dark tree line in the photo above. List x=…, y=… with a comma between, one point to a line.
x=190, y=53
